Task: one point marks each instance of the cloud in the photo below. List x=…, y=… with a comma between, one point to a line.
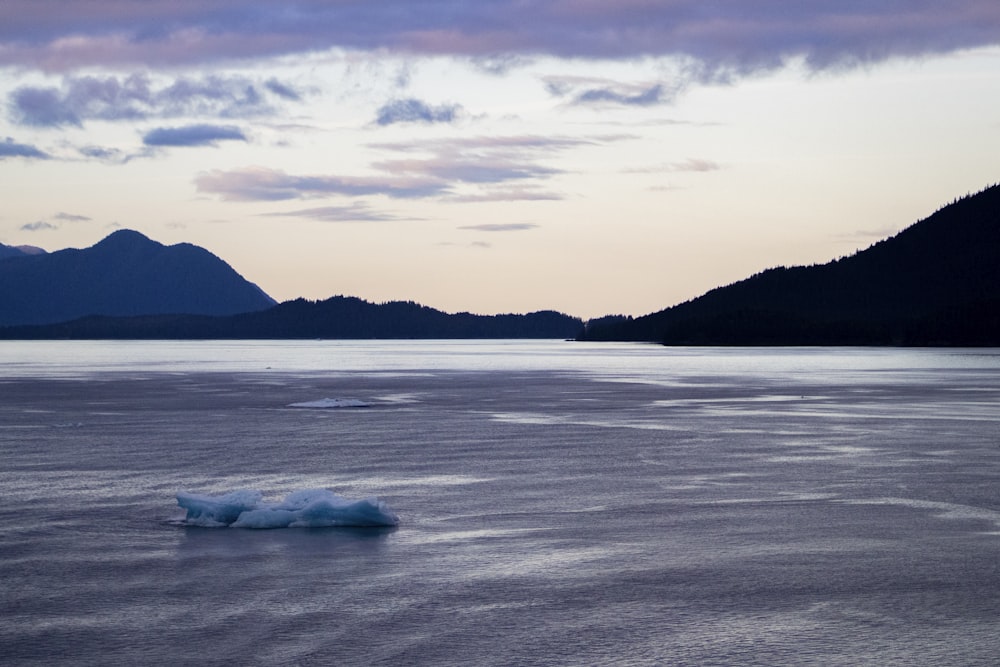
x=868, y=235
x=39, y=226
x=599, y=91
x=10, y=148
x=735, y=36
x=474, y=244
x=502, y=227
x=114, y=155
x=690, y=165
x=499, y=64
x=500, y=194
x=136, y=97
x=282, y=90
x=519, y=142
x=193, y=135
x=470, y=169
x=642, y=98
x=481, y=161
x=414, y=111
x=263, y=184
x=696, y=164
x=101, y=153
x=441, y=166
x=41, y=107
x=505, y=168
x=70, y=217
x=356, y=212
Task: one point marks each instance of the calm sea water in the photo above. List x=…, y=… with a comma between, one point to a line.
x=560, y=504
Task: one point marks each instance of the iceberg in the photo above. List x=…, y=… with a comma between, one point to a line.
x=308, y=508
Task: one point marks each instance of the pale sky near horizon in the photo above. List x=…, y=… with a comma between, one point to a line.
x=584, y=156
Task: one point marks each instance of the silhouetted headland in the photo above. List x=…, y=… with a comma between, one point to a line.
x=936, y=283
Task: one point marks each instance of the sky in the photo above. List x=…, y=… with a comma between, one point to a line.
x=492, y=156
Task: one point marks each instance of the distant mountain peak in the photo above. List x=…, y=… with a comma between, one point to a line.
x=125, y=274
x=125, y=238
x=8, y=251
x=31, y=250
x=127, y=233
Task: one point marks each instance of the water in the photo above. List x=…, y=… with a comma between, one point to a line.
x=560, y=503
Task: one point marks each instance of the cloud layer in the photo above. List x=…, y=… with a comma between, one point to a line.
x=138, y=97
x=355, y=212
x=415, y=111
x=263, y=184
x=193, y=135
x=731, y=35
x=11, y=148
x=501, y=227
x=496, y=168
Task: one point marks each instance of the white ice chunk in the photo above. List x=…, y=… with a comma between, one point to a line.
x=332, y=403
x=309, y=508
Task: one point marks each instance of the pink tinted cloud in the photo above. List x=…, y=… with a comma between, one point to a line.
x=493, y=165
x=504, y=168
x=354, y=212
x=263, y=184
x=507, y=194
x=726, y=35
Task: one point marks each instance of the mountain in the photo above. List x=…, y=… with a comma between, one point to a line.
x=935, y=283
x=19, y=251
x=9, y=251
x=339, y=317
x=126, y=274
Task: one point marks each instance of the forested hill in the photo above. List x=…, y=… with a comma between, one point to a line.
x=935, y=283
x=338, y=317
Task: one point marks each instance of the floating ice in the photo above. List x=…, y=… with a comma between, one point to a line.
x=309, y=508
x=332, y=403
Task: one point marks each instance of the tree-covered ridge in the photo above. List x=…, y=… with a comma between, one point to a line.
x=338, y=317
x=935, y=283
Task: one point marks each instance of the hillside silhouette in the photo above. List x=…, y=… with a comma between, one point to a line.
x=339, y=317
x=19, y=251
x=935, y=283
x=126, y=274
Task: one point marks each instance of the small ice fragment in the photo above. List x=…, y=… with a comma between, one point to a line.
x=308, y=508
